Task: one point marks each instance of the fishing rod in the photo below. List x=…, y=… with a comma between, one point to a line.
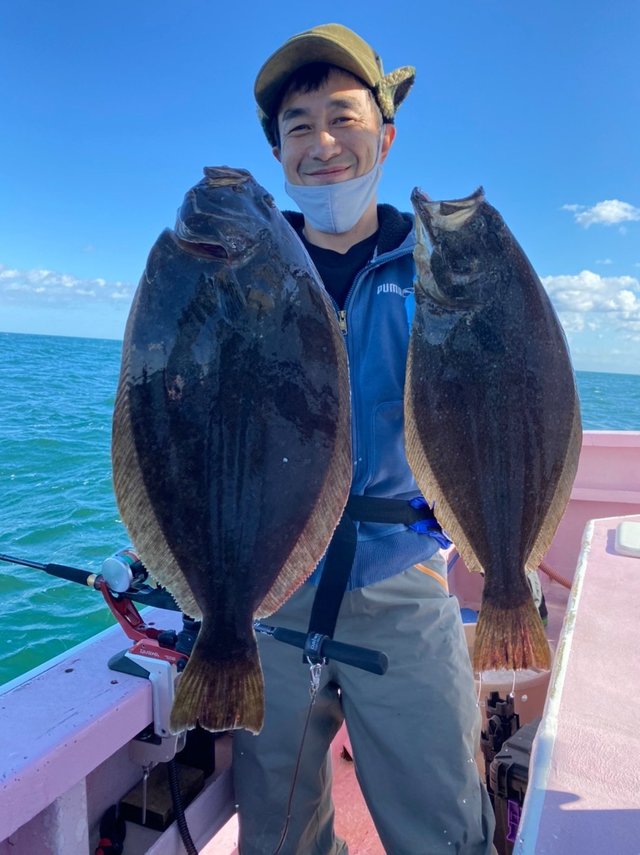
x=320, y=647
x=123, y=581
x=123, y=573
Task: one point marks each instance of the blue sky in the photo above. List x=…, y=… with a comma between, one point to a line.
x=111, y=109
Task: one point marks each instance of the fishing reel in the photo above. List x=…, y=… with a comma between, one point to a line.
x=158, y=655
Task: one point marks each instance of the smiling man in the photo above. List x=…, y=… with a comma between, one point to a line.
x=333, y=138
x=328, y=109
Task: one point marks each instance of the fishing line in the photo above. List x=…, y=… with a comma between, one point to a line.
x=315, y=670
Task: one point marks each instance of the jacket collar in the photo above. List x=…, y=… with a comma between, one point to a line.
x=395, y=227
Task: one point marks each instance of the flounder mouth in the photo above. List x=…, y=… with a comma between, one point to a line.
x=449, y=215
x=236, y=248
x=201, y=249
x=206, y=230
x=433, y=218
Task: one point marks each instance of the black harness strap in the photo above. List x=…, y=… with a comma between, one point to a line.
x=339, y=561
x=377, y=510
x=331, y=588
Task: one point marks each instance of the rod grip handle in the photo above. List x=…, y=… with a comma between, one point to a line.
x=364, y=658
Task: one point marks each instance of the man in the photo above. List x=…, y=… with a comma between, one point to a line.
x=327, y=109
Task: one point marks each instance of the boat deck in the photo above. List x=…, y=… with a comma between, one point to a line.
x=353, y=821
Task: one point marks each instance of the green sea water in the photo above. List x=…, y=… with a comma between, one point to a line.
x=56, y=495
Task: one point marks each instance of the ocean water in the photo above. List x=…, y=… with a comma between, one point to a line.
x=56, y=500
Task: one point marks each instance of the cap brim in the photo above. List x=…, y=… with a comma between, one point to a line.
x=299, y=51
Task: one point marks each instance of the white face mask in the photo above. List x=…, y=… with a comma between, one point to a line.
x=336, y=208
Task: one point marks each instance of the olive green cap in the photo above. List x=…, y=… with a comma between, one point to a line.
x=336, y=45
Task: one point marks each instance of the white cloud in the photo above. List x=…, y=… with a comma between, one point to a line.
x=610, y=212
x=589, y=301
x=40, y=285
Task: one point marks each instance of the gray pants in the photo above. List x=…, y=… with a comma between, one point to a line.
x=413, y=731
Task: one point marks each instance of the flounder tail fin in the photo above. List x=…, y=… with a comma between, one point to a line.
x=510, y=638
x=219, y=695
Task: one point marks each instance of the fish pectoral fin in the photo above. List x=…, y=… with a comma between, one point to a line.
x=229, y=295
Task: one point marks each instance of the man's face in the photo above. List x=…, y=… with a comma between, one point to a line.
x=331, y=134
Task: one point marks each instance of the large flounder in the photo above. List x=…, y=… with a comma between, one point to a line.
x=492, y=415
x=231, y=436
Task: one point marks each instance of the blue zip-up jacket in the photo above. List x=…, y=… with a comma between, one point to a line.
x=376, y=324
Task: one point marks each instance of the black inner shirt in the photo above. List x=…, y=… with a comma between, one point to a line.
x=338, y=270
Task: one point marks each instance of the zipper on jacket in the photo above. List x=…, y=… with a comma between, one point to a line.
x=352, y=356
x=376, y=261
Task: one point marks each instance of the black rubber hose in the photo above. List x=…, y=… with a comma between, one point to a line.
x=178, y=807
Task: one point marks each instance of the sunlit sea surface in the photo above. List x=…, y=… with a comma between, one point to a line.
x=57, y=503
